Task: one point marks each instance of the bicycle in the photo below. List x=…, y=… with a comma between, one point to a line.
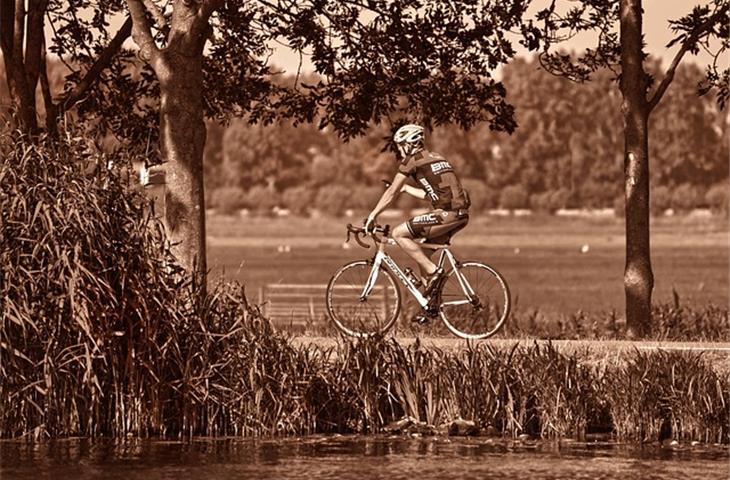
x=363, y=298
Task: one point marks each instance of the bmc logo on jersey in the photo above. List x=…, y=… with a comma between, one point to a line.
x=440, y=167
x=429, y=217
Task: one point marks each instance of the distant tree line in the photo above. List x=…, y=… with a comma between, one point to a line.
x=566, y=153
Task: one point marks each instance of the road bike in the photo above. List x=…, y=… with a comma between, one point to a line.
x=363, y=297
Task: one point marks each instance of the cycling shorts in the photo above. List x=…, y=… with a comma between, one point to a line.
x=438, y=226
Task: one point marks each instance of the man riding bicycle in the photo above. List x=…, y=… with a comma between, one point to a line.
x=439, y=184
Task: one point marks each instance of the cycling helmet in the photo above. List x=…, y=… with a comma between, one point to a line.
x=409, y=139
x=409, y=133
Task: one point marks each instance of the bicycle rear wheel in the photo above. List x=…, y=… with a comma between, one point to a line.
x=358, y=313
x=475, y=301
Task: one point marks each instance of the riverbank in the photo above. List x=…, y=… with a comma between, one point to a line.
x=227, y=373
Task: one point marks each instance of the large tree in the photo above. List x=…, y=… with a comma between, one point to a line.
x=432, y=61
x=621, y=47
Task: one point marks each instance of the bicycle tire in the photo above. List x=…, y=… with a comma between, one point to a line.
x=353, y=316
x=486, y=316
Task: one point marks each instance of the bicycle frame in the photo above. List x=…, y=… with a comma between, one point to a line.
x=381, y=257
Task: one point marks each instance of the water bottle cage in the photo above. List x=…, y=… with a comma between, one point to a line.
x=412, y=277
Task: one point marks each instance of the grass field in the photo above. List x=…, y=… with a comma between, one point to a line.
x=541, y=257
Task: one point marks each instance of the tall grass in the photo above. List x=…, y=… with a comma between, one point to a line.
x=671, y=321
x=667, y=395
x=88, y=291
x=99, y=336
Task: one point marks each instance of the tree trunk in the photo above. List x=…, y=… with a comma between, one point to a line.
x=179, y=69
x=182, y=138
x=12, y=36
x=638, y=276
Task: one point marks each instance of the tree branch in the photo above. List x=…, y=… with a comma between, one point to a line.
x=102, y=62
x=208, y=7
x=687, y=45
x=156, y=13
x=7, y=14
x=59, y=41
x=12, y=34
x=276, y=8
x=141, y=29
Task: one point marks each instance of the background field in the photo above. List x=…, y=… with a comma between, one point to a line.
x=541, y=257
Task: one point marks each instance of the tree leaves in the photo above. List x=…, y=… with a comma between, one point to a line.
x=432, y=61
x=705, y=27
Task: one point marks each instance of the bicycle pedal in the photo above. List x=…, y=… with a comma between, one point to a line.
x=420, y=319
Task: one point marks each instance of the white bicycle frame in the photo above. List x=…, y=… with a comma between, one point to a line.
x=383, y=258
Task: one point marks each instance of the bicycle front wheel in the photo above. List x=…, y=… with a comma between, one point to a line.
x=363, y=302
x=475, y=301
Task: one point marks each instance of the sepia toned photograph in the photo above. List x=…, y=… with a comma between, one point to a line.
x=364, y=239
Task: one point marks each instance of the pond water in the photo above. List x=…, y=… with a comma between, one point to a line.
x=357, y=457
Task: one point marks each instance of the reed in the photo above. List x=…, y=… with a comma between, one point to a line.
x=667, y=395
x=670, y=321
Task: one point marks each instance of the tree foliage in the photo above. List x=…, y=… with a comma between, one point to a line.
x=431, y=61
x=705, y=27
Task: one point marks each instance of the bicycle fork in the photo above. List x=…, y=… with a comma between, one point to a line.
x=373, y=277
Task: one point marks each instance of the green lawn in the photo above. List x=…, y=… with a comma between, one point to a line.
x=541, y=257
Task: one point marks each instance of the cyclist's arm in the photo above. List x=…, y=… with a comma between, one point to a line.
x=390, y=194
x=413, y=191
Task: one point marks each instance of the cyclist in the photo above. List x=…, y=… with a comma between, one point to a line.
x=439, y=184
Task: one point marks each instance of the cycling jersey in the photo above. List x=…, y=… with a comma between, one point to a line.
x=436, y=177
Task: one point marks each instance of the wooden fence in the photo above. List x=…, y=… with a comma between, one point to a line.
x=294, y=305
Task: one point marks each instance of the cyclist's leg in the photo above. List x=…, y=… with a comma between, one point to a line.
x=451, y=224
x=404, y=236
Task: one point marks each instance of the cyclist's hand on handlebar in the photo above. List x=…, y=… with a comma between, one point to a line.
x=369, y=224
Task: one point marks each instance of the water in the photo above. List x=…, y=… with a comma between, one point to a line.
x=357, y=457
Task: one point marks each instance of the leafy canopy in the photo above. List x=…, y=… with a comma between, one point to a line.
x=706, y=27
x=373, y=59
